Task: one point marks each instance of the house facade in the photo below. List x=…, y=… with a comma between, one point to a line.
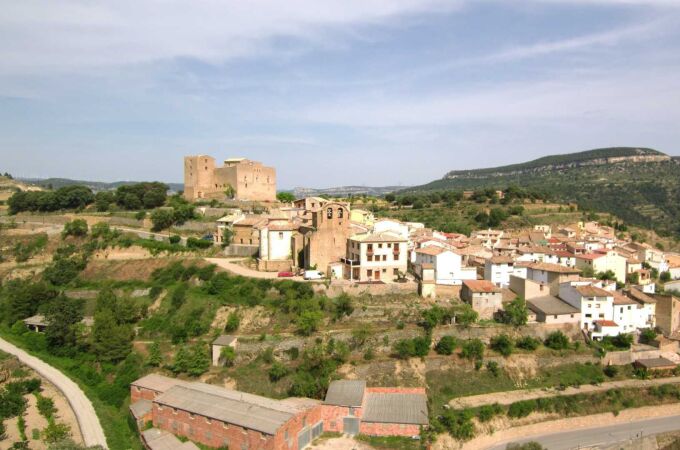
x=485, y=297
x=376, y=257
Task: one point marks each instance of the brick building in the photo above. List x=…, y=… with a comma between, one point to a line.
x=219, y=417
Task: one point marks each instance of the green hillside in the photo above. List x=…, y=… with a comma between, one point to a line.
x=643, y=190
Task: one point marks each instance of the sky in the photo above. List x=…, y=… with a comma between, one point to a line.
x=331, y=92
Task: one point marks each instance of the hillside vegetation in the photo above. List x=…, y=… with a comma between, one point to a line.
x=640, y=186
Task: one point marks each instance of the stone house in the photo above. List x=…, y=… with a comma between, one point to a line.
x=485, y=297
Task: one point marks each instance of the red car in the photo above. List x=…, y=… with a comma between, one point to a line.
x=286, y=274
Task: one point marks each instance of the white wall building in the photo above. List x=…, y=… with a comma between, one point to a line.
x=498, y=270
x=447, y=265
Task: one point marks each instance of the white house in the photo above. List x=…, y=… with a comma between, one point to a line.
x=595, y=304
x=447, y=265
x=393, y=226
x=376, y=257
x=604, y=261
x=498, y=270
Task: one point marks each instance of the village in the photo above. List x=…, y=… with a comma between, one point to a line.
x=580, y=278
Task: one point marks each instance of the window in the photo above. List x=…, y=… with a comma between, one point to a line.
x=340, y=213
x=280, y=234
x=174, y=411
x=379, y=245
x=369, y=272
x=329, y=213
x=369, y=258
x=588, y=316
x=191, y=416
x=304, y=421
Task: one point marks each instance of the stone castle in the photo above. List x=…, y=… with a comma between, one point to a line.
x=246, y=179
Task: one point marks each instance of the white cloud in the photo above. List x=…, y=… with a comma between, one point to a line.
x=69, y=35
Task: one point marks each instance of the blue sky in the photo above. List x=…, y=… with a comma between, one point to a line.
x=372, y=92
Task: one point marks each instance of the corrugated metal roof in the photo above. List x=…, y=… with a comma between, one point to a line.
x=234, y=407
x=396, y=408
x=140, y=408
x=345, y=393
x=551, y=306
x=157, y=382
x=224, y=340
x=162, y=440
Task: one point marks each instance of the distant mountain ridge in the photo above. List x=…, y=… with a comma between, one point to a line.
x=612, y=155
x=639, y=185
x=56, y=183
x=344, y=191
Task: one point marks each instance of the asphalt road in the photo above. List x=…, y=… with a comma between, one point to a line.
x=90, y=428
x=601, y=436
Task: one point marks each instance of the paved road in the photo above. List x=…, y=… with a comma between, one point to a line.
x=601, y=436
x=90, y=428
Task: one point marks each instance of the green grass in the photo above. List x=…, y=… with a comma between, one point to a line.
x=390, y=442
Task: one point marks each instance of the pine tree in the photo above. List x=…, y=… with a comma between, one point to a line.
x=155, y=356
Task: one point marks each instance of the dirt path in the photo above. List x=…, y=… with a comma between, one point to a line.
x=231, y=265
x=91, y=429
x=508, y=397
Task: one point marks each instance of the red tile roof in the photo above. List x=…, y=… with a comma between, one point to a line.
x=481, y=286
x=606, y=323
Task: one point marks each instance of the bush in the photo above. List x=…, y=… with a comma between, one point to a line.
x=521, y=409
x=611, y=371
x=458, y=424
x=404, y=348
x=233, y=323
x=502, y=344
x=196, y=243
x=228, y=356
x=308, y=322
x=162, y=219
x=648, y=335
x=174, y=239
x=446, y=345
x=487, y=412
x=473, y=349
x=557, y=341
x=528, y=343
x=277, y=371
x=492, y=367
x=77, y=228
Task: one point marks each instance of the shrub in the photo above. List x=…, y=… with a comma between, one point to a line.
x=45, y=406
x=611, y=371
x=308, y=322
x=446, y=345
x=557, y=341
x=77, y=228
x=528, y=343
x=174, y=239
x=277, y=371
x=404, y=348
x=492, y=367
x=228, y=356
x=487, y=412
x=233, y=323
x=502, y=344
x=421, y=346
x=161, y=219
x=521, y=408
x=458, y=424
x=196, y=243
x=473, y=349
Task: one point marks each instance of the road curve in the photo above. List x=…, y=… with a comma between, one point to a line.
x=90, y=428
x=608, y=435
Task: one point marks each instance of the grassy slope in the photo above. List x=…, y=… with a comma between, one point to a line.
x=643, y=194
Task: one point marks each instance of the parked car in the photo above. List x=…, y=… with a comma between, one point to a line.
x=313, y=275
x=286, y=274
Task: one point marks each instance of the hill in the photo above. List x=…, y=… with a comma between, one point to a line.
x=639, y=185
x=56, y=183
x=344, y=191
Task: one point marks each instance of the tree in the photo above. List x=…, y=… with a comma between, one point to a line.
x=63, y=314
x=228, y=356
x=467, y=317
x=342, y=306
x=390, y=198
x=446, y=345
x=23, y=298
x=285, y=197
x=155, y=358
x=665, y=277
x=557, y=341
x=103, y=200
x=516, y=312
x=472, y=349
x=77, y=228
x=161, y=219
x=229, y=191
x=308, y=322
x=404, y=348
x=180, y=362
x=111, y=341
x=587, y=272
x=502, y=344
